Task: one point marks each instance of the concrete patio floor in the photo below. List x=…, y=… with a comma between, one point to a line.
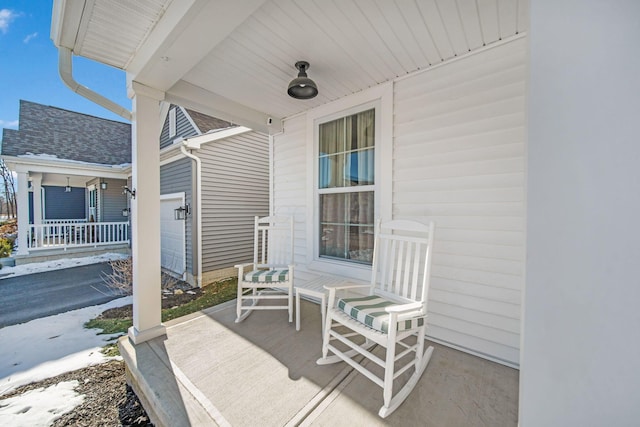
x=211, y=371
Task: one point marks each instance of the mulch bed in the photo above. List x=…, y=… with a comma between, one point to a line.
x=108, y=400
x=169, y=300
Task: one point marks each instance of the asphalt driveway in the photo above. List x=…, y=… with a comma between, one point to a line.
x=32, y=296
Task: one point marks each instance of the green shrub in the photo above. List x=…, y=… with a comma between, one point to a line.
x=6, y=247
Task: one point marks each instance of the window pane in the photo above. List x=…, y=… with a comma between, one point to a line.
x=332, y=137
x=364, y=130
x=332, y=171
x=332, y=208
x=346, y=226
x=361, y=208
x=361, y=244
x=361, y=168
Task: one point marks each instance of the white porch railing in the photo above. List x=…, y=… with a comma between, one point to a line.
x=64, y=221
x=52, y=236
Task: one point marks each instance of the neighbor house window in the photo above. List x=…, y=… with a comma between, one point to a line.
x=346, y=187
x=172, y=123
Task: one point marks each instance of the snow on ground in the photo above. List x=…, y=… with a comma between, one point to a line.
x=38, y=267
x=49, y=346
x=40, y=407
x=46, y=347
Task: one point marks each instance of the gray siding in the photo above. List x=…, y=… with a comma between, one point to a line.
x=177, y=177
x=235, y=177
x=111, y=201
x=184, y=128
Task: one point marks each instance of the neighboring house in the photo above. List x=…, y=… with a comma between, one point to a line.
x=514, y=126
x=230, y=167
x=71, y=168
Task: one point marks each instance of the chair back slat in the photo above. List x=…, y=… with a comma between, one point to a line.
x=273, y=243
x=402, y=260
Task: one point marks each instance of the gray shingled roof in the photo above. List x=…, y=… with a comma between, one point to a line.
x=207, y=123
x=68, y=135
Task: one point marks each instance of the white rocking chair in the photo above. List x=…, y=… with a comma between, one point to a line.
x=393, y=314
x=271, y=277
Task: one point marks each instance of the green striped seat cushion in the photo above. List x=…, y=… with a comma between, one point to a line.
x=370, y=310
x=267, y=276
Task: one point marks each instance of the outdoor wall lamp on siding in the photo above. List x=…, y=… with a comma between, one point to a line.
x=103, y=185
x=67, y=189
x=181, y=212
x=125, y=211
x=302, y=87
x=126, y=190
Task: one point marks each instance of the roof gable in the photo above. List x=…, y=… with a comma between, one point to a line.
x=189, y=123
x=68, y=135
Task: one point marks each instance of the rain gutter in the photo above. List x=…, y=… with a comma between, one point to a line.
x=65, y=68
x=196, y=159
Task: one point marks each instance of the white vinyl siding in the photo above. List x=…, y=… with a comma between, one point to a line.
x=290, y=183
x=459, y=157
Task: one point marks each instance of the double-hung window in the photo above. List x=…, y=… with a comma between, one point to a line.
x=346, y=187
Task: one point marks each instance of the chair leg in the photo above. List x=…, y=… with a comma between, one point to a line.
x=290, y=300
x=421, y=361
x=325, y=339
x=326, y=336
x=239, y=303
x=389, y=368
x=239, y=307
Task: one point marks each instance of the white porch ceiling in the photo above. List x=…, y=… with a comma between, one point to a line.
x=240, y=54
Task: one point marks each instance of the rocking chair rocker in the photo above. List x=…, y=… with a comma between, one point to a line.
x=393, y=314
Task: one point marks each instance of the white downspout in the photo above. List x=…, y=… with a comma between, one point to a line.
x=271, y=177
x=184, y=151
x=65, y=68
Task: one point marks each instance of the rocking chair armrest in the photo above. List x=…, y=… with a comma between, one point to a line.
x=339, y=287
x=242, y=265
x=404, y=308
x=346, y=286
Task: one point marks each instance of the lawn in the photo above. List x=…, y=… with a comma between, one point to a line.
x=118, y=321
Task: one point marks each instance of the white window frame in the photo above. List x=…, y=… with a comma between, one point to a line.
x=381, y=99
x=172, y=122
x=90, y=189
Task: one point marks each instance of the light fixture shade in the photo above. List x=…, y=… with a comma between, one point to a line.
x=103, y=185
x=302, y=87
x=67, y=189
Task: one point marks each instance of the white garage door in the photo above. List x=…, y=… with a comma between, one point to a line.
x=172, y=234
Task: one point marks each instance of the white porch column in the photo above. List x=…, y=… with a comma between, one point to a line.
x=36, y=185
x=580, y=364
x=23, y=212
x=145, y=214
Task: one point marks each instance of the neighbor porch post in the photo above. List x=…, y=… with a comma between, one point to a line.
x=36, y=183
x=23, y=212
x=145, y=214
